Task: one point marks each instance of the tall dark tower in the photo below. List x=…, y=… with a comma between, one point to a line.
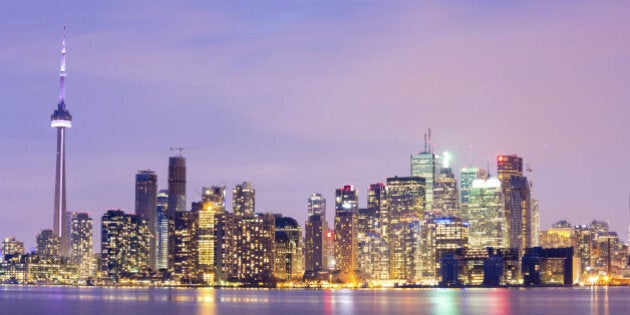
x=146, y=207
x=176, y=185
x=61, y=119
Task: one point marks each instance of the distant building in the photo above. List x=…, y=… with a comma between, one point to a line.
x=466, y=177
x=548, y=266
x=185, y=246
x=244, y=199
x=288, y=251
x=405, y=198
x=255, y=248
x=374, y=257
x=146, y=206
x=405, y=256
x=441, y=235
x=445, y=193
x=208, y=251
x=47, y=244
x=176, y=185
x=317, y=205
x=124, y=244
x=519, y=213
x=12, y=249
x=81, y=248
x=315, y=244
x=346, y=231
x=488, y=225
x=161, y=236
x=377, y=205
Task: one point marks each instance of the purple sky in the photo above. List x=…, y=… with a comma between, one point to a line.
x=303, y=97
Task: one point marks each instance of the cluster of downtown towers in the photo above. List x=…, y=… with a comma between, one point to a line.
x=409, y=223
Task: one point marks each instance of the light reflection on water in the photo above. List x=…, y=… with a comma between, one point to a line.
x=157, y=301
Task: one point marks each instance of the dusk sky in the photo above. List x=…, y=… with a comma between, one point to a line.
x=300, y=97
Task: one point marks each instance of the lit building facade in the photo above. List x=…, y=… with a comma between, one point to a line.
x=176, y=185
x=244, y=199
x=346, y=230
x=405, y=198
x=185, y=250
x=519, y=214
x=315, y=258
x=440, y=235
x=12, y=249
x=213, y=205
x=405, y=257
x=161, y=235
x=374, y=257
x=317, y=205
x=47, y=243
x=445, y=193
x=124, y=244
x=488, y=226
x=466, y=177
x=255, y=248
x=81, y=248
x=146, y=207
x=288, y=249
x=377, y=203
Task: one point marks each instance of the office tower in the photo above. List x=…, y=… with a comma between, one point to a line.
x=405, y=198
x=535, y=223
x=440, y=235
x=81, y=249
x=124, y=244
x=317, y=205
x=583, y=247
x=367, y=222
x=316, y=227
x=176, y=185
x=508, y=166
x=288, y=249
x=244, y=199
x=425, y=164
x=377, y=205
x=445, y=194
x=610, y=255
x=346, y=199
x=47, y=244
x=213, y=205
x=315, y=244
x=225, y=255
x=466, y=177
x=599, y=228
x=61, y=119
x=558, y=236
x=184, y=241
x=161, y=236
x=374, y=257
x=488, y=226
x=12, y=249
x=255, y=248
x=519, y=213
x=346, y=237
x=146, y=207
x=405, y=256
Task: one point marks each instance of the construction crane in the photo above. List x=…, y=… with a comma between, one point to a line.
x=528, y=167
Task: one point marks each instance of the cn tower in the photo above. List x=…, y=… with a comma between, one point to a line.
x=61, y=119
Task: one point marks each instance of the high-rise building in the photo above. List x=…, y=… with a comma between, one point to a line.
x=207, y=234
x=176, y=185
x=146, y=207
x=185, y=250
x=82, y=250
x=374, y=257
x=162, y=230
x=12, y=249
x=445, y=194
x=255, y=248
x=317, y=205
x=124, y=244
x=405, y=250
x=244, y=199
x=535, y=223
x=346, y=232
x=583, y=247
x=466, y=177
x=288, y=251
x=425, y=164
x=519, y=213
x=488, y=225
x=508, y=166
x=315, y=253
x=377, y=205
x=47, y=243
x=61, y=119
x=405, y=199
x=315, y=244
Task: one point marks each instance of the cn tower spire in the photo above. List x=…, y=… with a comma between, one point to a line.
x=62, y=73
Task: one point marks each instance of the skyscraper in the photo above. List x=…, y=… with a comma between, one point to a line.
x=486, y=216
x=146, y=207
x=317, y=205
x=445, y=194
x=47, y=244
x=124, y=243
x=61, y=119
x=405, y=198
x=162, y=230
x=346, y=237
x=377, y=203
x=81, y=243
x=176, y=185
x=519, y=213
x=288, y=249
x=207, y=233
x=466, y=177
x=244, y=199
x=425, y=164
x=12, y=249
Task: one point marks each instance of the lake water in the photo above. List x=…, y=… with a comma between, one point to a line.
x=158, y=301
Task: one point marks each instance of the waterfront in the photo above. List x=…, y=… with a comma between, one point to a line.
x=156, y=301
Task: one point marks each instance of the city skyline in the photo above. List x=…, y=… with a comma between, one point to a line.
x=240, y=116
